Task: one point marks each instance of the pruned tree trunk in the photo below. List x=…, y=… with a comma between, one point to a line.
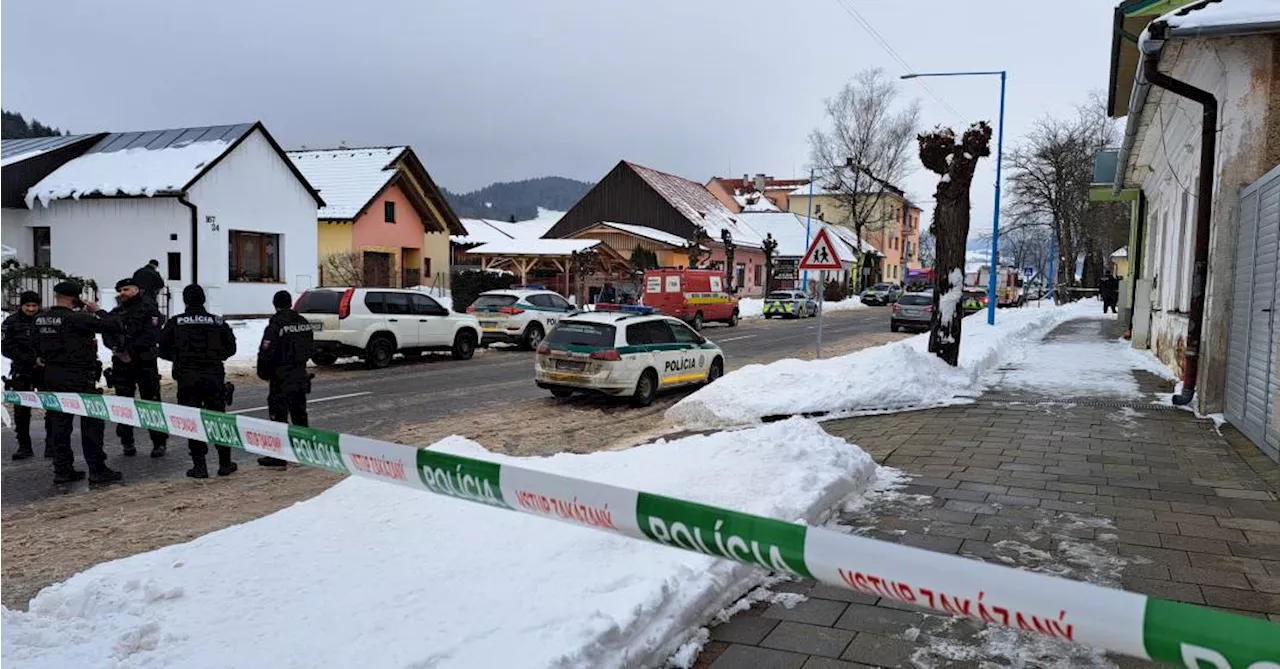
x=954, y=162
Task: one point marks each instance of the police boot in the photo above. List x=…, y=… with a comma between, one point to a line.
x=130, y=450
x=23, y=452
x=158, y=450
x=199, y=469
x=67, y=476
x=105, y=475
x=274, y=463
x=225, y=466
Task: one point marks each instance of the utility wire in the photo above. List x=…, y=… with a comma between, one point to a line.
x=888, y=48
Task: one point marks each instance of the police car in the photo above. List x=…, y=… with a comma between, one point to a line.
x=789, y=304
x=521, y=317
x=624, y=351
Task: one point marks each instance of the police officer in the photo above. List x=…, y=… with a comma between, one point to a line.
x=198, y=343
x=282, y=360
x=133, y=358
x=68, y=349
x=19, y=346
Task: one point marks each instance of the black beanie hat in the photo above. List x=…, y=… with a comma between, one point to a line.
x=68, y=289
x=193, y=296
x=282, y=300
x=28, y=297
x=126, y=282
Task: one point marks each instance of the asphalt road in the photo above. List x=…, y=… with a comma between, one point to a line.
x=351, y=399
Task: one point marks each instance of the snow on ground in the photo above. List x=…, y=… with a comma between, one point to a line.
x=1079, y=364
x=753, y=307
x=901, y=374
x=439, y=582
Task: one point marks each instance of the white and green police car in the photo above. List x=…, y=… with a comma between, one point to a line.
x=521, y=317
x=625, y=351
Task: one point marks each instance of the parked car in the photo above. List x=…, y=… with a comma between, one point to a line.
x=912, y=311
x=881, y=294
x=518, y=316
x=789, y=304
x=624, y=350
x=376, y=323
x=695, y=296
x=973, y=300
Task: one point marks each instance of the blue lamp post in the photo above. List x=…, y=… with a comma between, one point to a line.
x=995, y=223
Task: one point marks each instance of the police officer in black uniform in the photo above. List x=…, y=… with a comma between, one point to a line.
x=67, y=345
x=19, y=346
x=287, y=343
x=198, y=343
x=133, y=358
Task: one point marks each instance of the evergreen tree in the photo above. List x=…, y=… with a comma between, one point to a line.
x=14, y=126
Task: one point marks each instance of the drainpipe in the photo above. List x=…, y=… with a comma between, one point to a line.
x=1204, y=203
x=195, y=234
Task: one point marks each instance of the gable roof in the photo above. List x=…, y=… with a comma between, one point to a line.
x=696, y=203
x=150, y=163
x=348, y=179
x=13, y=151
x=794, y=232
x=645, y=232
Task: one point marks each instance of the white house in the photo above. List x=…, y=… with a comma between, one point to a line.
x=221, y=206
x=1221, y=57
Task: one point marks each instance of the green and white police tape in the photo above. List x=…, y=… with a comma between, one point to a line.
x=1114, y=620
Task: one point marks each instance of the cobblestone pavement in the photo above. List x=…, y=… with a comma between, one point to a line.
x=1113, y=491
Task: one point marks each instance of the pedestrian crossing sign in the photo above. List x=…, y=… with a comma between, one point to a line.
x=821, y=254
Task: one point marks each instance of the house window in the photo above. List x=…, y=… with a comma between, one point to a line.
x=42, y=247
x=740, y=276
x=389, y=211
x=817, y=210
x=426, y=269
x=175, y=266
x=759, y=275
x=254, y=257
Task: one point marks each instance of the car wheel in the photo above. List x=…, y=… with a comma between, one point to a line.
x=646, y=389
x=561, y=393
x=532, y=337
x=733, y=320
x=464, y=345
x=716, y=371
x=324, y=359
x=697, y=321
x=379, y=352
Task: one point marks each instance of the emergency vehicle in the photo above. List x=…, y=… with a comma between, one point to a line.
x=624, y=351
x=520, y=317
x=695, y=296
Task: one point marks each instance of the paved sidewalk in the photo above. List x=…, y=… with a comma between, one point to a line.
x=1109, y=489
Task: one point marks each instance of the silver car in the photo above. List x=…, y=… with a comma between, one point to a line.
x=912, y=311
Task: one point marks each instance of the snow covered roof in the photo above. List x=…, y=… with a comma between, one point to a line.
x=660, y=236
x=480, y=231
x=851, y=238
x=535, y=247
x=155, y=162
x=14, y=151
x=1122, y=252
x=348, y=179
x=754, y=201
x=484, y=230
x=697, y=204
x=1223, y=17
x=789, y=230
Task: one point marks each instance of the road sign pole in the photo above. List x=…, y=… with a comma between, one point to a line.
x=822, y=295
x=821, y=257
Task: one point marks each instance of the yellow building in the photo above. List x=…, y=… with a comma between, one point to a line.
x=894, y=231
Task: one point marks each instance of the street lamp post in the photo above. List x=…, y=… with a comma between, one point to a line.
x=995, y=222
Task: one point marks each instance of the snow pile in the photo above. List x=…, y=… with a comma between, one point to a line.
x=753, y=307
x=131, y=172
x=368, y=574
x=899, y=375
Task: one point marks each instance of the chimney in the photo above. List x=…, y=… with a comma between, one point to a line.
x=760, y=181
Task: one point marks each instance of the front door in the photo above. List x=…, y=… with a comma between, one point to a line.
x=434, y=328
x=401, y=320
x=377, y=269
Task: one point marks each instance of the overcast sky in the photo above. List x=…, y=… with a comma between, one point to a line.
x=504, y=90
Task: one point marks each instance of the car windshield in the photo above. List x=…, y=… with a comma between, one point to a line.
x=320, y=302
x=494, y=301
x=781, y=296
x=915, y=299
x=582, y=333
x=881, y=286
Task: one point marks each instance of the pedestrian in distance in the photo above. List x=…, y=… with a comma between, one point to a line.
x=199, y=344
x=287, y=344
x=133, y=358
x=149, y=281
x=1109, y=291
x=67, y=346
x=19, y=346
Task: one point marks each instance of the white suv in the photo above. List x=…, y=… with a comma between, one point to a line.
x=376, y=323
x=521, y=317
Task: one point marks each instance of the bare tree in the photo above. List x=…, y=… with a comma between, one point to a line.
x=865, y=148
x=928, y=250
x=344, y=268
x=697, y=247
x=954, y=162
x=1049, y=178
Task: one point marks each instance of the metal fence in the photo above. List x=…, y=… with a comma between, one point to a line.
x=42, y=286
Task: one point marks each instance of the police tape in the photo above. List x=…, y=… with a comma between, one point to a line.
x=1072, y=611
